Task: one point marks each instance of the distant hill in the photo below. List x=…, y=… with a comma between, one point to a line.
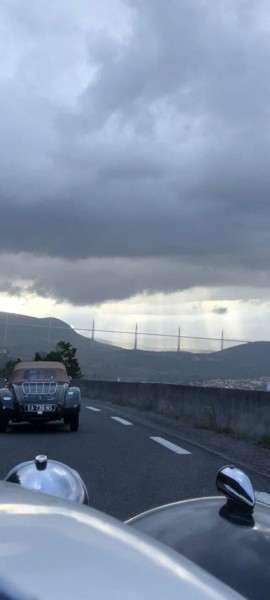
x=22, y=336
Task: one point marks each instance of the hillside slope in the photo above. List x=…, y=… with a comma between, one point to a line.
x=22, y=336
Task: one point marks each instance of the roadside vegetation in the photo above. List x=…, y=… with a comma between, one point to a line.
x=64, y=352
x=7, y=368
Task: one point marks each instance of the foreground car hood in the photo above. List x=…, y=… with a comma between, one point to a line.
x=232, y=545
x=54, y=549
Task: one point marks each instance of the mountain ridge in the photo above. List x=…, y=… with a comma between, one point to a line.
x=22, y=336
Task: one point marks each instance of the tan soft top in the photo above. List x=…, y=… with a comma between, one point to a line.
x=39, y=370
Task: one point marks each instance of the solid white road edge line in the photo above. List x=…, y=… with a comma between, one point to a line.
x=123, y=421
x=262, y=497
x=92, y=408
x=170, y=446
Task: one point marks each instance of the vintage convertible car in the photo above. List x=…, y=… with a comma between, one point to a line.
x=230, y=540
x=53, y=548
x=39, y=392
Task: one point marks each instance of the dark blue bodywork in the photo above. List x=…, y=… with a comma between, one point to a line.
x=220, y=537
x=39, y=402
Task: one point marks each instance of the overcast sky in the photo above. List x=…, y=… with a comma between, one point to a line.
x=135, y=163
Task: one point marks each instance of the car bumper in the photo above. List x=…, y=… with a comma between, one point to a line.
x=19, y=414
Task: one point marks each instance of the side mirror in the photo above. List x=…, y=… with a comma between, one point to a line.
x=236, y=486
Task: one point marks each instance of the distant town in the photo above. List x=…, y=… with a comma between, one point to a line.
x=262, y=384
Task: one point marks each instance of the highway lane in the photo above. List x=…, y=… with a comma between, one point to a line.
x=128, y=466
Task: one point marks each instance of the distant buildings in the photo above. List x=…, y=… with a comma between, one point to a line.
x=262, y=384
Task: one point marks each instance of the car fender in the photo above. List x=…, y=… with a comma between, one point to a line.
x=91, y=555
x=73, y=396
x=6, y=398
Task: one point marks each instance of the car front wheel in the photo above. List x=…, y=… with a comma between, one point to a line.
x=74, y=422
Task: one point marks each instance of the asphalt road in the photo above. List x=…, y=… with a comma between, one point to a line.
x=126, y=471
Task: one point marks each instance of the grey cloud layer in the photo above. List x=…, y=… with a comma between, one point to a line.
x=94, y=281
x=142, y=146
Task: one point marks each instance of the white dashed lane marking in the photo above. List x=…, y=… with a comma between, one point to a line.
x=159, y=440
x=170, y=446
x=123, y=421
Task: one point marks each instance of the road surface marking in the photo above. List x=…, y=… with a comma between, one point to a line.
x=123, y=421
x=170, y=446
x=262, y=497
x=92, y=408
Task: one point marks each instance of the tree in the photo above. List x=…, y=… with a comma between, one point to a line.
x=8, y=367
x=66, y=354
x=40, y=356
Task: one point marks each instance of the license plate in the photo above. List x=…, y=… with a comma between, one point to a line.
x=40, y=408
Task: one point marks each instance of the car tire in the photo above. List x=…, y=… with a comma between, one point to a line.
x=3, y=425
x=74, y=422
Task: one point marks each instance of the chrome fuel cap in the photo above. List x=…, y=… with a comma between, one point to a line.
x=41, y=462
x=49, y=477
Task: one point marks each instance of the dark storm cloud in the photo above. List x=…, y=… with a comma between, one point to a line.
x=148, y=150
x=93, y=281
x=11, y=289
x=220, y=310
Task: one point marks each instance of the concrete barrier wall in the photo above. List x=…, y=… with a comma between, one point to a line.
x=242, y=412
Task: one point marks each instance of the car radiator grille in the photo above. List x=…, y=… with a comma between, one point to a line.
x=36, y=388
